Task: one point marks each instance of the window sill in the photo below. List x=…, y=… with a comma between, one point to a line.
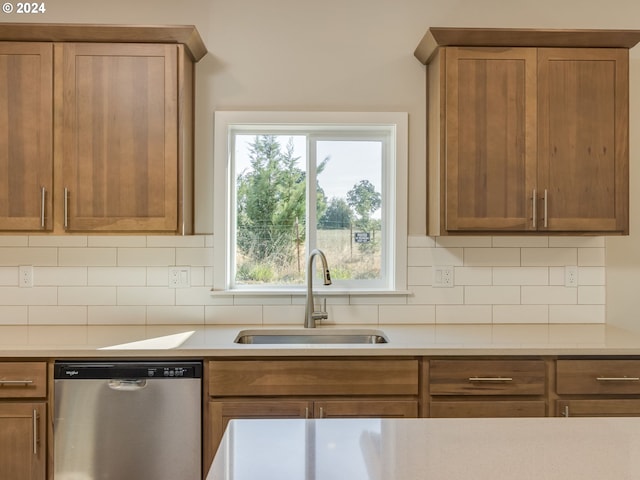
x=301, y=292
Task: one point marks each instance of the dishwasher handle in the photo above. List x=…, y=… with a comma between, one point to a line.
x=127, y=385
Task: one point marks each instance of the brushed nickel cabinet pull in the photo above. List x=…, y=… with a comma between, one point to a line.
x=43, y=196
x=490, y=379
x=321, y=413
x=66, y=208
x=35, y=432
x=618, y=379
x=15, y=382
x=565, y=413
x=306, y=412
x=546, y=210
x=535, y=208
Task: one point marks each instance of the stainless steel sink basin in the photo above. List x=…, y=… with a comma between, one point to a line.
x=311, y=336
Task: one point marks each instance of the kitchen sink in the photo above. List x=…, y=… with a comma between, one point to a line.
x=312, y=336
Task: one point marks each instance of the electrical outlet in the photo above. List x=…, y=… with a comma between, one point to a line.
x=571, y=276
x=179, y=277
x=442, y=276
x=25, y=276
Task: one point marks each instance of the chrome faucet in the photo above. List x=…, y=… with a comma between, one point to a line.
x=310, y=315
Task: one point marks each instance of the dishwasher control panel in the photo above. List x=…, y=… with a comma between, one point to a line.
x=106, y=370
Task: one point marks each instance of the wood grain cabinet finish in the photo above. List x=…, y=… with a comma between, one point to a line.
x=598, y=377
x=486, y=388
x=526, y=139
x=23, y=420
x=97, y=136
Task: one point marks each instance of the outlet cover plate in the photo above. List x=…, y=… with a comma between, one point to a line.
x=443, y=276
x=179, y=277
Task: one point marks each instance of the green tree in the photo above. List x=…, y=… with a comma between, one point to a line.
x=364, y=199
x=338, y=215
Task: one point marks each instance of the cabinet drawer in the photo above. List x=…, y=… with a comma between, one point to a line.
x=598, y=377
x=23, y=379
x=487, y=409
x=313, y=377
x=599, y=408
x=487, y=377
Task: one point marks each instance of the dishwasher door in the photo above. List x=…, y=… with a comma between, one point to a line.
x=127, y=421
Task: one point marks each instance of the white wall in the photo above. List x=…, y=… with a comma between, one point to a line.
x=357, y=55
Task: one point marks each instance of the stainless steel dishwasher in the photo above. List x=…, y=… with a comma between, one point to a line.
x=127, y=421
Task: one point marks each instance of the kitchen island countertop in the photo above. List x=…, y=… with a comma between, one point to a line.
x=182, y=341
x=417, y=449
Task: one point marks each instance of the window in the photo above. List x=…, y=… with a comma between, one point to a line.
x=287, y=183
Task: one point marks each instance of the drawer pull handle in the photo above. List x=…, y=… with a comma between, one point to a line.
x=490, y=379
x=618, y=379
x=16, y=382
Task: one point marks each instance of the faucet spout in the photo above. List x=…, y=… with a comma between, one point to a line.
x=310, y=315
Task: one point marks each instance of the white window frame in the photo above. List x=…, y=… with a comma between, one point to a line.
x=395, y=176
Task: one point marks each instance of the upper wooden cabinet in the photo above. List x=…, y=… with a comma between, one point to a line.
x=527, y=130
x=106, y=111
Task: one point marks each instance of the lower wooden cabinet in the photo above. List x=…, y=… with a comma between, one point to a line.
x=23, y=446
x=488, y=409
x=593, y=407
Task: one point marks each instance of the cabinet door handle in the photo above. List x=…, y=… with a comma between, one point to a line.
x=535, y=208
x=15, y=382
x=490, y=379
x=546, y=210
x=66, y=208
x=35, y=432
x=618, y=379
x=306, y=412
x=43, y=196
x=321, y=413
x=565, y=412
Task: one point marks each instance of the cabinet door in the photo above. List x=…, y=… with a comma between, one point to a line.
x=365, y=408
x=490, y=138
x=26, y=132
x=22, y=441
x=599, y=408
x=488, y=409
x=583, y=139
x=119, y=137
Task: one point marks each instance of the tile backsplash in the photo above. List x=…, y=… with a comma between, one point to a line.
x=124, y=280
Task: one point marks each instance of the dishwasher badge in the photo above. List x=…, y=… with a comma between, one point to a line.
x=71, y=373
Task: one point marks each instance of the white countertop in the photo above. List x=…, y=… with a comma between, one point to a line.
x=428, y=448
x=201, y=341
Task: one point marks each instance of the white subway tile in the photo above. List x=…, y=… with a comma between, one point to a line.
x=463, y=314
x=60, y=276
x=591, y=295
x=117, y=276
x=407, y=314
x=117, y=241
x=58, y=315
x=472, y=275
x=28, y=296
x=551, y=295
x=576, y=314
x=520, y=314
x=117, y=315
x=145, y=295
x=12, y=256
x=448, y=256
x=420, y=241
x=9, y=276
x=548, y=257
x=194, y=256
x=377, y=300
x=351, y=314
x=198, y=277
x=175, y=315
x=533, y=241
x=58, y=241
x=420, y=257
x=492, y=257
x=14, y=241
x=176, y=241
x=146, y=257
x=483, y=295
x=464, y=241
x=262, y=300
x=520, y=276
x=591, y=257
x=417, y=276
x=14, y=315
x=87, y=295
x=283, y=315
x=157, y=276
x=556, y=276
x=201, y=296
x=208, y=241
x=75, y=257
x=434, y=296
x=591, y=276
x=580, y=242
x=233, y=314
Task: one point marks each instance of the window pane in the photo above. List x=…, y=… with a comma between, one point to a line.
x=349, y=208
x=270, y=209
